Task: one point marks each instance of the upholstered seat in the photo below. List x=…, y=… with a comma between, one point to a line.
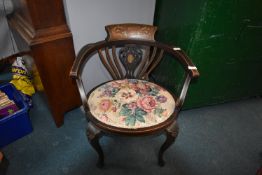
x=131, y=103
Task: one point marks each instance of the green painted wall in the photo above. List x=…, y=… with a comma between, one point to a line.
x=224, y=40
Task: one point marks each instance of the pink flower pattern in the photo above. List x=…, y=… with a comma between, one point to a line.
x=147, y=103
x=105, y=104
x=134, y=103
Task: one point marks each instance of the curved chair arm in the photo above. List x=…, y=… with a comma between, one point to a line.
x=192, y=73
x=74, y=72
x=190, y=66
x=177, y=52
x=187, y=63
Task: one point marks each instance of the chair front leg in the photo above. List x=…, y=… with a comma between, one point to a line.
x=93, y=135
x=171, y=134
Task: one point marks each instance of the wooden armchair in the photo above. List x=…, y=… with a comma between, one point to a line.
x=130, y=104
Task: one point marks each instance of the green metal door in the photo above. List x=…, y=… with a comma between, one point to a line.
x=224, y=40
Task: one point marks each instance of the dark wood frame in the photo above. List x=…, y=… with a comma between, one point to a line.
x=95, y=128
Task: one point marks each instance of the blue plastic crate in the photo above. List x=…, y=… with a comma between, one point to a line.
x=18, y=124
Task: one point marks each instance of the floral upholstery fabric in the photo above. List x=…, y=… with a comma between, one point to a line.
x=131, y=103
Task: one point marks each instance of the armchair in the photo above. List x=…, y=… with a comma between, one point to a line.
x=130, y=104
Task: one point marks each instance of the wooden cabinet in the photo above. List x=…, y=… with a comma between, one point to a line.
x=40, y=26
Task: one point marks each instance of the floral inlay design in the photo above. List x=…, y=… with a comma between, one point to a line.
x=131, y=103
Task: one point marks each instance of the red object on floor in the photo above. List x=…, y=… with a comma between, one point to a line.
x=259, y=171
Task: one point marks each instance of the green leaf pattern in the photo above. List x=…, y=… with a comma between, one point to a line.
x=132, y=115
x=131, y=102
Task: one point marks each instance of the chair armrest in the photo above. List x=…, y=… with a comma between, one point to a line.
x=187, y=63
x=74, y=72
x=192, y=73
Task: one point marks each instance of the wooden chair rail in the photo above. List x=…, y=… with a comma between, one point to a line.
x=86, y=51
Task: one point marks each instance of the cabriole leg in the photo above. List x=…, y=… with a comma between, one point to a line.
x=93, y=135
x=171, y=134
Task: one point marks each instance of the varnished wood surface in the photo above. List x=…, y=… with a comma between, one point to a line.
x=42, y=26
x=130, y=31
x=41, y=14
x=179, y=55
x=54, y=67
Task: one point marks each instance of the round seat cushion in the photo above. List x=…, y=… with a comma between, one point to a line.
x=131, y=103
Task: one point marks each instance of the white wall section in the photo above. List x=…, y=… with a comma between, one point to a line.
x=87, y=19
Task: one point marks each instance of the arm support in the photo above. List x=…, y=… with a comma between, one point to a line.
x=192, y=73
x=183, y=93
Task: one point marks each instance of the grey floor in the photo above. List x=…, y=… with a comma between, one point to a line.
x=218, y=140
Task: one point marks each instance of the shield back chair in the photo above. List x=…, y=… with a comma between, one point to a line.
x=129, y=104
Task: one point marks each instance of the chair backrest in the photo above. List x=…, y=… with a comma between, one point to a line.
x=130, y=51
x=135, y=58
